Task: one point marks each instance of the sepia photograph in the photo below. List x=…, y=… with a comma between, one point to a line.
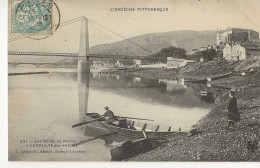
x=133, y=80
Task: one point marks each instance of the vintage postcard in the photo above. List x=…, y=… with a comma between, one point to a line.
x=133, y=80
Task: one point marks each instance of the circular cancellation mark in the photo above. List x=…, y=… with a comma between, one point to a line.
x=33, y=18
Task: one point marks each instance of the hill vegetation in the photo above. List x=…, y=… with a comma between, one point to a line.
x=154, y=42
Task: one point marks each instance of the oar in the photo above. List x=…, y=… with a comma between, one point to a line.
x=135, y=118
x=79, y=124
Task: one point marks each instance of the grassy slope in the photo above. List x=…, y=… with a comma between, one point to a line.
x=187, y=39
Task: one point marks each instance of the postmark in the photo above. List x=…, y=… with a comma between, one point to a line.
x=31, y=17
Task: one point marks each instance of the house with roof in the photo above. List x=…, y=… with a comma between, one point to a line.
x=241, y=52
x=236, y=35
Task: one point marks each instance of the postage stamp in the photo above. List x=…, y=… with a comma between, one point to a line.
x=31, y=17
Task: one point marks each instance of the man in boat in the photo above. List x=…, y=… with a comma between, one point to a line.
x=110, y=118
x=109, y=115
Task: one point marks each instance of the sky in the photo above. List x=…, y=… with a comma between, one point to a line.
x=181, y=15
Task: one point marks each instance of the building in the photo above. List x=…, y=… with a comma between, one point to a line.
x=212, y=47
x=241, y=52
x=176, y=62
x=98, y=64
x=192, y=51
x=137, y=62
x=236, y=35
x=118, y=64
x=203, y=48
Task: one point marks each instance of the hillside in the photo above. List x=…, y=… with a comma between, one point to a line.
x=187, y=39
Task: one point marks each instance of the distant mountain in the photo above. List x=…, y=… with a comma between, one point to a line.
x=154, y=42
x=187, y=39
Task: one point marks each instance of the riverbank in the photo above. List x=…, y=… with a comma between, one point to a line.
x=196, y=72
x=149, y=73
x=27, y=73
x=213, y=142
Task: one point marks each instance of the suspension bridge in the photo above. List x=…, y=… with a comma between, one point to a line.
x=106, y=49
x=14, y=64
x=38, y=54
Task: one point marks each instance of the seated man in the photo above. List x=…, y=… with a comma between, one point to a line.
x=109, y=115
x=122, y=123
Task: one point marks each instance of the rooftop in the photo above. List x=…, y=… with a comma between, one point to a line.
x=234, y=28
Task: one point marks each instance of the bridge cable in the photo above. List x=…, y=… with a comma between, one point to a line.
x=124, y=38
x=115, y=48
x=121, y=36
x=119, y=47
x=61, y=25
x=105, y=46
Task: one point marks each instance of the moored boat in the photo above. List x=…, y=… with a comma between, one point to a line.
x=125, y=127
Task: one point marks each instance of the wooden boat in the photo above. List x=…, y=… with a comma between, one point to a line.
x=219, y=76
x=130, y=149
x=128, y=130
x=195, y=80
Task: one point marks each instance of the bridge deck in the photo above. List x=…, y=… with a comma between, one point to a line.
x=76, y=55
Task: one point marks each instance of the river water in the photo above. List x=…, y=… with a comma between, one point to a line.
x=45, y=106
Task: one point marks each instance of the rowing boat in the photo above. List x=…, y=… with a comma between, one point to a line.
x=129, y=130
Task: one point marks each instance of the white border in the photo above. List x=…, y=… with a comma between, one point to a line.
x=4, y=126
x=3, y=84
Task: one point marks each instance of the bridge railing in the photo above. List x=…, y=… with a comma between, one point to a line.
x=76, y=55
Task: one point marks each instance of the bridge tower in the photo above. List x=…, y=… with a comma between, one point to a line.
x=83, y=59
x=83, y=70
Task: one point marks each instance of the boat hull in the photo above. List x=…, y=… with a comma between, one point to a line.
x=104, y=128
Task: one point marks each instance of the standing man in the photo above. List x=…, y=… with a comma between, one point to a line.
x=233, y=113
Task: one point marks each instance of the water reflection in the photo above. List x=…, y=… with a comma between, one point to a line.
x=180, y=105
x=62, y=101
x=178, y=101
x=161, y=92
x=83, y=93
x=158, y=92
x=117, y=77
x=204, y=92
x=166, y=92
x=175, y=86
x=137, y=79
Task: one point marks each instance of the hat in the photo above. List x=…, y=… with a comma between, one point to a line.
x=106, y=107
x=232, y=92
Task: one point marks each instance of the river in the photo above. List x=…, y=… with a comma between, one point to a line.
x=45, y=106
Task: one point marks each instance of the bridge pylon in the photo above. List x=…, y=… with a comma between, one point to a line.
x=83, y=59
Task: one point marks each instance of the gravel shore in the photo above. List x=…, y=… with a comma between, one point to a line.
x=213, y=142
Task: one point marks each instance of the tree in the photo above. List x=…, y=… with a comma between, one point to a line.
x=172, y=51
x=196, y=56
x=207, y=55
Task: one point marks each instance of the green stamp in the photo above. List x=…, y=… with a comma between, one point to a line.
x=31, y=17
